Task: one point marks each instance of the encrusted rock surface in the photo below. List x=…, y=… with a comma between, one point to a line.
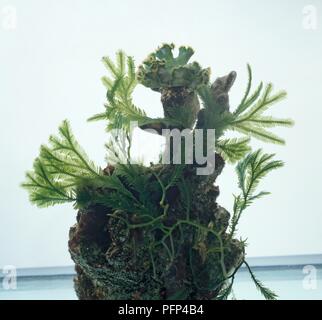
x=113, y=262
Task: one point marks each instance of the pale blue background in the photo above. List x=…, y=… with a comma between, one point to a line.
x=50, y=70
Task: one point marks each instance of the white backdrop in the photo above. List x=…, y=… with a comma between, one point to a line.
x=50, y=70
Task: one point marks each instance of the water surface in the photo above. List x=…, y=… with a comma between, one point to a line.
x=288, y=280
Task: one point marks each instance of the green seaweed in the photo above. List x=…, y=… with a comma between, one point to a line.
x=157, y=232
